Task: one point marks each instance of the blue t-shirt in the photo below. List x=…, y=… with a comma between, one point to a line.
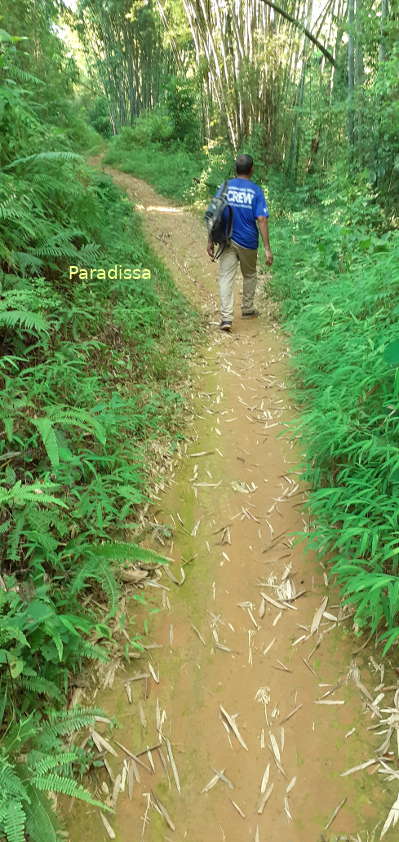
x=248, y=202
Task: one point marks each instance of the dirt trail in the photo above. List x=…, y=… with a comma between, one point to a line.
x=232, y=511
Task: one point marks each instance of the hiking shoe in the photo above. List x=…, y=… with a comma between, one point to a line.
x=225, y=326
x=250, y=314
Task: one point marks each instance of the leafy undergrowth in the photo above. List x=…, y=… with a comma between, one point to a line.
x=336, y=278
x=88, y=375
x=169, y=166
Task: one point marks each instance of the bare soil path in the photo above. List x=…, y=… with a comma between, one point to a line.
x=292, y=714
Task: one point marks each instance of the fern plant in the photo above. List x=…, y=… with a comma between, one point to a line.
x=87, y=374
x=34, y=761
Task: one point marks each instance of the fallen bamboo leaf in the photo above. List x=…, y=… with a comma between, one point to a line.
x=263, y=801
x=269, y=646
x=153, y=673
x=273, y=601
x=116, y=790
x=108, y=828
x=392, y=818
x=172, y=763
x=329, y=702
x=292, y=713
x=291, y=785
x=101, y=743
x=307, y=664
x=332, y=690
x=198, y=633
x=238, y=809
x=108, y=768
x=360, y=767
x=224, y=778
x=287, y=808
x=349, y=733
x=130, y=780
x=162, y=810
x=213, y=781
x=136, y=770
x=195, y=528
x=283, y=667
x=133, y=756
x=330, y=617
x=265, y=779
x=222, y=647
x=318, y=615
x=230, y=721
x=137, y=677
x=239, y=486
x=276, y=750
x=151, y=762
x=335, y=813
x=132, y=575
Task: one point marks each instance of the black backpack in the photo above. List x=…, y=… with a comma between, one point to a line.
x=219, y=229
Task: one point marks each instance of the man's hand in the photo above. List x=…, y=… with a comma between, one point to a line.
x=211, y=249
x=264, y=230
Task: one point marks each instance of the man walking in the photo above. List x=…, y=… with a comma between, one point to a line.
x=250, y=213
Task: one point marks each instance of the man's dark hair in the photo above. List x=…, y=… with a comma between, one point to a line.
x=244, y=164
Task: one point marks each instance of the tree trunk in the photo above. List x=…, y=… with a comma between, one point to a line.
x=351, y=74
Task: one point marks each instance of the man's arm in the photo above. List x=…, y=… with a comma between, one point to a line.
x=263, y=225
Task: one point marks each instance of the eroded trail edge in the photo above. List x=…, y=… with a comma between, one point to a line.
x=252, y=704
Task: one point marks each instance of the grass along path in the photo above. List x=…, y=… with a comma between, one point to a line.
x=254, y=694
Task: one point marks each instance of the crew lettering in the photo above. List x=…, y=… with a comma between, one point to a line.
x=240, y=197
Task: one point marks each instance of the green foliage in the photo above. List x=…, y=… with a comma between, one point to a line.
x=171, y=168
x=182, y=107
x=87, y=374
x=41, y=763
x=99, y=117
x=337, y=285
x=163, y=145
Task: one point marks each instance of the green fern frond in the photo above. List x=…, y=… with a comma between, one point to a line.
x=51, y=249
x=14, y=822
x=43, y=157
x=67, y=786
x=88, y=254
x=65, y=722
x=46, y=430
x=78, y=418
x=46, y=764
x=21, y=494
x=39, y=684
x=40, y=817
x=11, y=785
x=24, y=319
x=122, y=552
x=9, y=210
x=24, y=260
x=92, y=651
x=23, y=76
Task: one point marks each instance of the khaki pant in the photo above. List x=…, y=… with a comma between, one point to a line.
x=228, y=263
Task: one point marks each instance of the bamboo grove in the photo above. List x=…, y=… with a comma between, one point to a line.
x=309, y=78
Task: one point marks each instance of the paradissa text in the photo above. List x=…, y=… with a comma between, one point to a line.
x=113, y=273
